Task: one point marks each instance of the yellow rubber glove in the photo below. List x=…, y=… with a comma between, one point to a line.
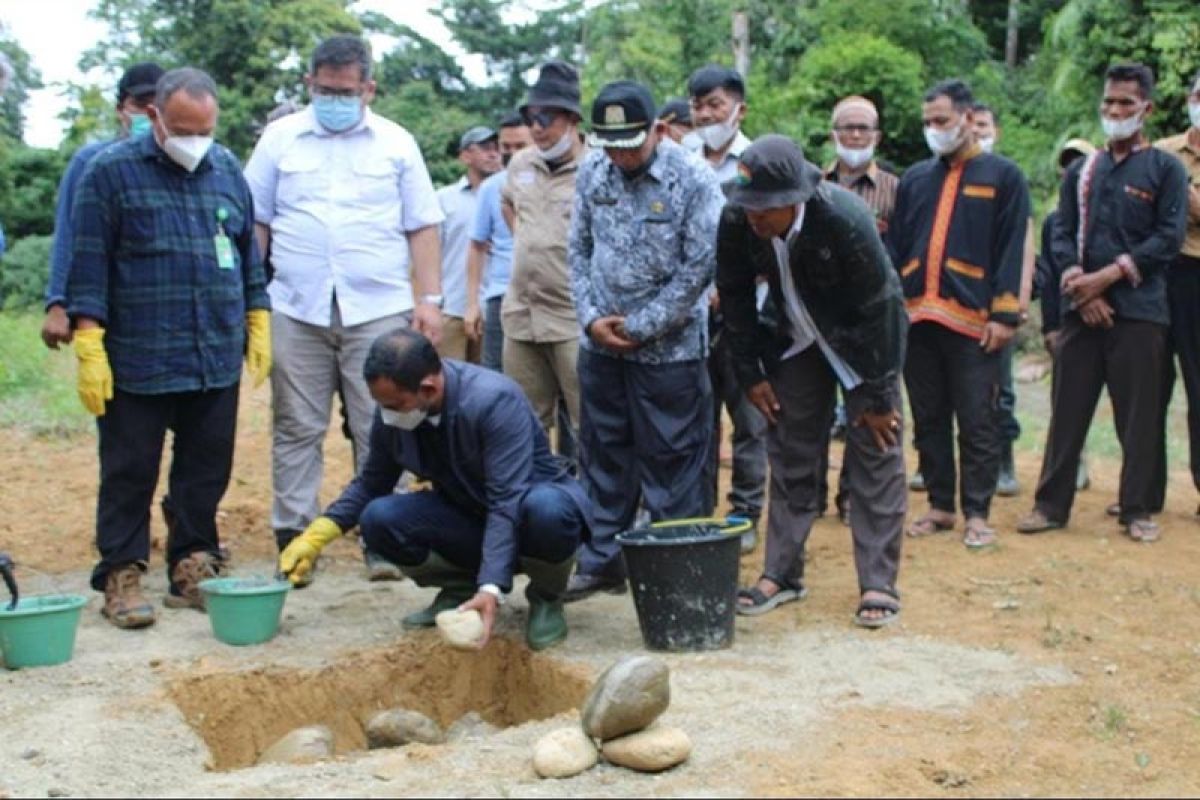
x=95, y=379
x=258, y=344
x=299, y=557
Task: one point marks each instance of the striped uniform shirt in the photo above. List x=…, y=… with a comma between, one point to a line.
x=148, y=264
x=876, y=186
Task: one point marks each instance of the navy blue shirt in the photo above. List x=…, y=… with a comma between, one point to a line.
x=144, y=264
x=68, y=187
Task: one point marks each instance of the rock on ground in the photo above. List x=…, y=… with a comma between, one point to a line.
x=301, y=746
x=627, y=697
x=461, y=629
x=468, y=727
x=563, y=753
x=399, y=726
x=651, y=750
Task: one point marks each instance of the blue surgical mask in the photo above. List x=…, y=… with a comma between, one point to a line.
x=139, y=124
x=337, y=114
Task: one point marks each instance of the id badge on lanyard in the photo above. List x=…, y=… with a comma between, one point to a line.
x=222, y=243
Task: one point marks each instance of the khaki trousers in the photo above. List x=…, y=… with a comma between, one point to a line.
x=546, y=371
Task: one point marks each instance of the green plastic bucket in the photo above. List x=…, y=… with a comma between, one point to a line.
x=244, y=610
x=40, y=631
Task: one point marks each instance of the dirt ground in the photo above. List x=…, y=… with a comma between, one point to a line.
x=1062, y=664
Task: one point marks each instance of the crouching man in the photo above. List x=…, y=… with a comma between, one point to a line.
x=501, y=502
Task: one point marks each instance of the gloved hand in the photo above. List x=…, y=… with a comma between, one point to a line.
x=298, y=558
x=95, y=378
x=258, y=344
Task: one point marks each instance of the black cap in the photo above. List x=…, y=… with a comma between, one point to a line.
x=557, y=86
x=676, y=111
x=476, y=135
x=139, y=80
x=622, y=114
x=772, y=173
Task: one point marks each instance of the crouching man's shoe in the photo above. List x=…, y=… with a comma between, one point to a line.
x=457, y=586
x=547, y=625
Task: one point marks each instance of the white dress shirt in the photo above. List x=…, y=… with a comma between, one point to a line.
x=340, y=207
x=727, y=169
x=458, y=202
x=804, y=330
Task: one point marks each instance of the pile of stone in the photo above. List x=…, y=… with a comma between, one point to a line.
x=620, y=712
x=392, y=728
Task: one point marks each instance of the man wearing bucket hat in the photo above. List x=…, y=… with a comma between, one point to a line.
x=641, y=252
x=541, y=334
x=501, y=503
x=841, y=321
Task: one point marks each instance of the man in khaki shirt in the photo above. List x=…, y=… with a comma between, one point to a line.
x=1183, y=285
x=541, y=332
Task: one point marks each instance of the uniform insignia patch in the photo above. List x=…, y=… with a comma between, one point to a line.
x=614, y=115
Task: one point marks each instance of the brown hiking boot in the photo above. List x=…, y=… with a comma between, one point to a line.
x=124, y=604
x=185, y=580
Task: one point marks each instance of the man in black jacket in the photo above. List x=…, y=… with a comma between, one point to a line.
x=841, y=320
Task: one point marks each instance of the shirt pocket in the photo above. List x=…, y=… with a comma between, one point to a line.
x=148, y=231
x=301, y=179
x=1137, y=210
x=378, y=182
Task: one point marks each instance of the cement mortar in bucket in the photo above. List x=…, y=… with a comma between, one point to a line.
x=684, y=575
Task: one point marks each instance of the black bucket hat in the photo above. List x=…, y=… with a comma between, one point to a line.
x=772, y=173
x=557, y=86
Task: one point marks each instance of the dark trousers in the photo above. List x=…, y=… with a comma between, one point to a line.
x=645, y=433
x=1007, y=426
x=132, y=432
x=807, y=390
x=403, y=528
x=1183, y=342
x=748, y=485
x=950, y=379
x=492, y=355
x=1129, y=360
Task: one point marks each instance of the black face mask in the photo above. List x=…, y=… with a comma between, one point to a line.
x=634, y=174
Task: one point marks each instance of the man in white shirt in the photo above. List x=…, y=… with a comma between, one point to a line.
x=344, y=204
x=478, y=151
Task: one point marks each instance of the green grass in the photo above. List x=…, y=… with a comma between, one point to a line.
x=37, y=385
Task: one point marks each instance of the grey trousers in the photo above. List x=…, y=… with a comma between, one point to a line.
x=309, y=361
x=645, y=437
x=806, y=389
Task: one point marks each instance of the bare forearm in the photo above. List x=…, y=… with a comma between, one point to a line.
x=426, y=253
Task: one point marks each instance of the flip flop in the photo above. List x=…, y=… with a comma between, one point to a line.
x=1143, y=530
x=761, y=603
x=927, y=525
x=979, y=537
x=1037, y=522
x=890, y=607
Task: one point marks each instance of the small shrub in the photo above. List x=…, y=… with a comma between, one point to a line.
x=24, y=271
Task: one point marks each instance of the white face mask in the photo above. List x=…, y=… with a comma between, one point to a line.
x=719, y=134
x=854, y=158
x=943, y=142
x=187, y=151
x=1194, y=114
x=988, y=143
x=1120, y=129
x=558, y=150
x=404, y=420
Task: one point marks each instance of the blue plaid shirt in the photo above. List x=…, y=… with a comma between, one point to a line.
x=144, y=265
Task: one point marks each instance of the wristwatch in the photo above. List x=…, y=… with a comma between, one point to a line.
x=494, y=591
x=432, y=299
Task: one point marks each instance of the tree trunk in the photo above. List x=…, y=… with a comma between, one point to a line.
x=1013, y=38
x=741, y=43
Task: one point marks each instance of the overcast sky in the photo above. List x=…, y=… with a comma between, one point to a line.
x=55, y=41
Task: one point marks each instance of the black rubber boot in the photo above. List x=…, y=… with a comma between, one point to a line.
x=1007, y=485
x=457, y=587
x=547, y=625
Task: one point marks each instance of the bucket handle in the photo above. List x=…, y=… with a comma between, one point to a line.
x=6, y=568
x=730, y=526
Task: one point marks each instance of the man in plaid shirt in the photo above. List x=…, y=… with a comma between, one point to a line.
x=166, y=292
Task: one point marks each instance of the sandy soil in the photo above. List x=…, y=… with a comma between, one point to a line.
x=1058, y=664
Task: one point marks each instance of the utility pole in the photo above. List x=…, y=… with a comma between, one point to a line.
x=1011, y=38
x=741, y=43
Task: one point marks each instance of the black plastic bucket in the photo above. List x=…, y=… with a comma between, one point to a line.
x=684, y=576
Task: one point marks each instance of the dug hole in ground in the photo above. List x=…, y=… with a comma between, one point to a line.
x=1058, y=664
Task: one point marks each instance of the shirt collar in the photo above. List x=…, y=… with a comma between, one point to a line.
x=797, y=224
x=871, y=173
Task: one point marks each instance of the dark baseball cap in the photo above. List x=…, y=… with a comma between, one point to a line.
x=676, y=111
x=477, y=135
x=622, y=114
x=773, y=173
x=139, y=80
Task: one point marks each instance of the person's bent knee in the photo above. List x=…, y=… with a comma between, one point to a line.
x=552, y=524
